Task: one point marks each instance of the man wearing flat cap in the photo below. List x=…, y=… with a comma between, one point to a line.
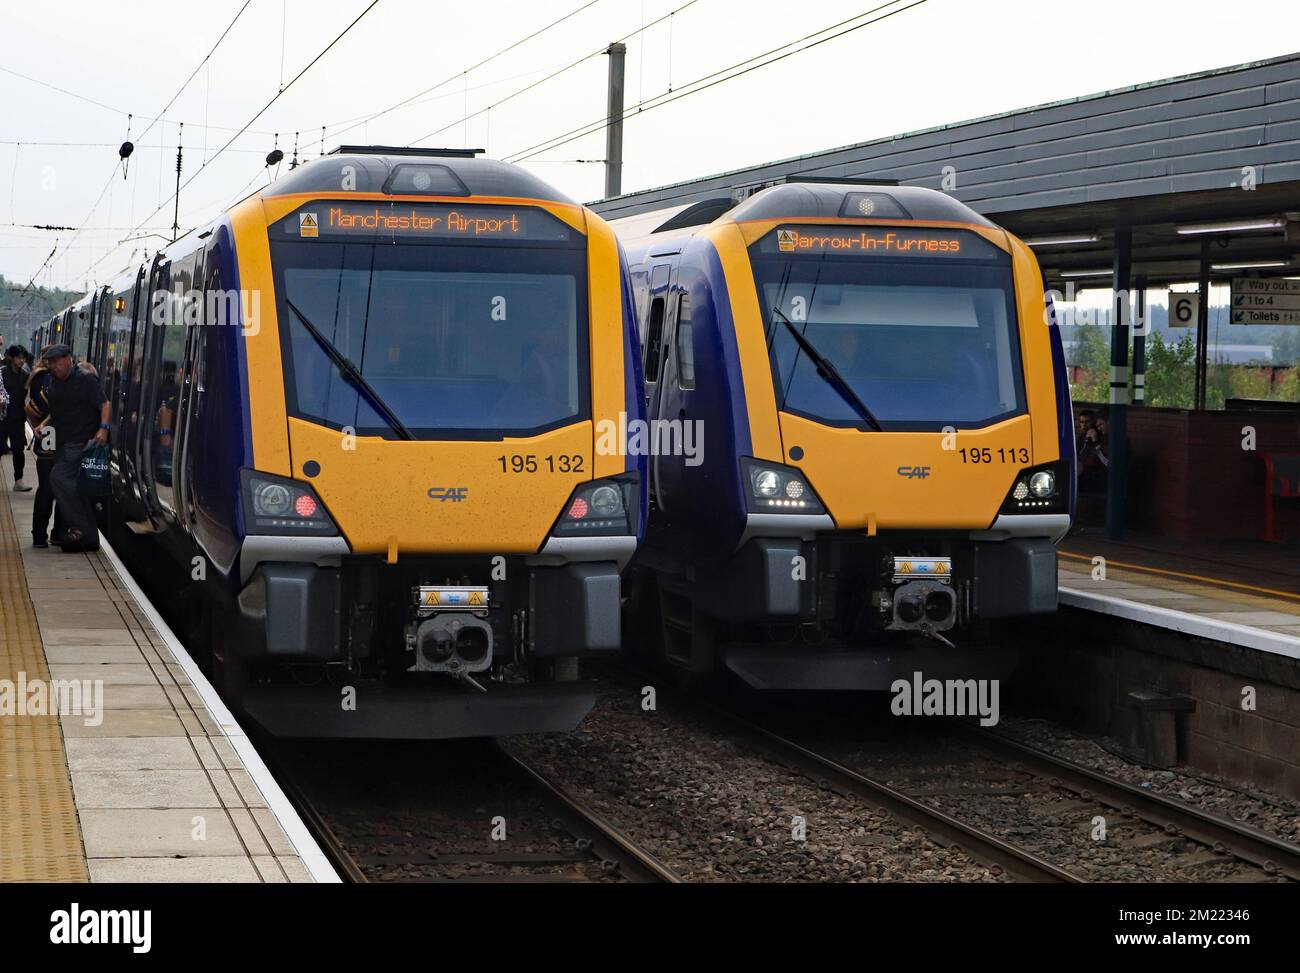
x=79, y=414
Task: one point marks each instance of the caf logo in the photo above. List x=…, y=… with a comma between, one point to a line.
x=308, y=225
x=785, y=240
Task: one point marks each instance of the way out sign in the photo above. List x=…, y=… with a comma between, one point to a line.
x=1182, y=309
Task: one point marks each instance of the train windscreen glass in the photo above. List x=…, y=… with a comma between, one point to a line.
x=463, y=322
x=921, y=324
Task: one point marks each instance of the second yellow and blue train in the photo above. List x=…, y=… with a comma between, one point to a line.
x=864, y=451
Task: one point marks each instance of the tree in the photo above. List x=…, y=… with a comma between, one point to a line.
x=1091, y=355
x=1171, y=372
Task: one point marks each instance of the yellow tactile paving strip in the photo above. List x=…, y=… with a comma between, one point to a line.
x=154, y=765
x=40, y=837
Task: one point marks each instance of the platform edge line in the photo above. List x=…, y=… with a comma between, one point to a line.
x=1187, y=623
x=309, y=853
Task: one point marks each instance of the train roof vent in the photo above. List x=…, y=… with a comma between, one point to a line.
x=806, y=199
x=405, y=150
x=404, y=172
x=697, y=214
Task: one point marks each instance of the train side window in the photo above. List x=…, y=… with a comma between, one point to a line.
x=654, y=340
x=685, y=343
x=641, y=300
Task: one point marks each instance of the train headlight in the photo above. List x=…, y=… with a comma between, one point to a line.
x=1042, y=484
x=601, y=508
x=606, y=501
x=774, y=488
x=271, y=500
x=1039, y=491
x=279, y=505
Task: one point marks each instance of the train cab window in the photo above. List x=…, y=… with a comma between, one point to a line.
x=462, y=341
x=685, y=345
x=654, y=340
x=924, y=341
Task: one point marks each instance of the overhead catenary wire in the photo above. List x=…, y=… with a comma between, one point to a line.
x=186, y=83
x=43, y=265
x=362, y=120
x=541, y=81
x=707, y=81
x=260, y=112
x=82, y=225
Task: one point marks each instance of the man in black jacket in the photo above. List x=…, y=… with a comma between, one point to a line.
x=13, y=429
x=79, y=414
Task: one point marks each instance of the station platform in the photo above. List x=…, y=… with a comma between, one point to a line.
x=139, y=773
x=1242, y=593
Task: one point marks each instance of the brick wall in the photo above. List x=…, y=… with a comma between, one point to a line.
x=1189, y=476
x=1086, y=665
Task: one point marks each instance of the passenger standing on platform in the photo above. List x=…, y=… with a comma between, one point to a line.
x=79, y=414
x=13, y=430
x=1094, y=456
x=38, y=410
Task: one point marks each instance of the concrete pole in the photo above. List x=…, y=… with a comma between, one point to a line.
x=614, y=124
x=1203, y=328
x=1117, y=437
x=1140, y=343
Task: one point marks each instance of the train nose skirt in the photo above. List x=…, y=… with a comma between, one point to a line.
x=807, y=668
x=420, y=712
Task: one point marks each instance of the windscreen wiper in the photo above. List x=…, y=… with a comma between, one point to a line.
x=350, y=372
x=829, y=372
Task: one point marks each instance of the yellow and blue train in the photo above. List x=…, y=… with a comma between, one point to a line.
x=360, y=415
x=861, y=427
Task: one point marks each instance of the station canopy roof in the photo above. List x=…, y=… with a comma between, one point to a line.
x=1163, y=159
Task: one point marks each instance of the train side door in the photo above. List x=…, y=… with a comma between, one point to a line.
x=677, y=435
x=130, y=382
x=191, y=388
x=658, y=329
x=159, y=308
x=652, y=345
x=164, y=372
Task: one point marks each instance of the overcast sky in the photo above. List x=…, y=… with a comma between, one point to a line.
x=938, y=62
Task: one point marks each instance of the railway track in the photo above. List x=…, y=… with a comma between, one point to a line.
x=1197, y=837
x=945, y=829
x=617, y=850
x=1224, y=836
x=580, y=845
x=1213, y=838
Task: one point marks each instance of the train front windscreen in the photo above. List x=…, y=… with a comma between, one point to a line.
x=919, y=326
x=432, y=321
